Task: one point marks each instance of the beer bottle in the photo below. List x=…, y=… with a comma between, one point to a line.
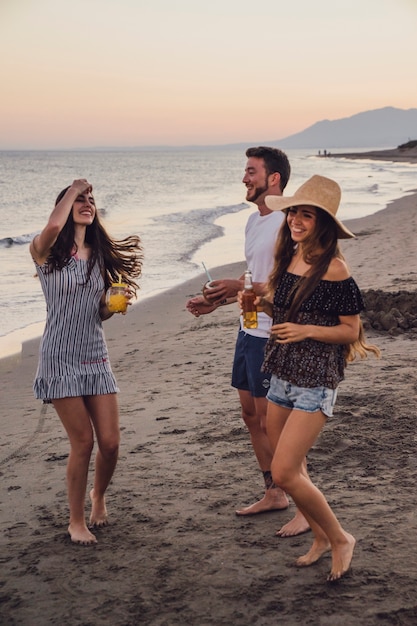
x=250, y=315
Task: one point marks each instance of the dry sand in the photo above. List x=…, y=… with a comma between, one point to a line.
x=174, y=552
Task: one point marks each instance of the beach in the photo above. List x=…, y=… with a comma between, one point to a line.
x=174, y=552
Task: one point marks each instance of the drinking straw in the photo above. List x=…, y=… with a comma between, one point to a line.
x=207, y=272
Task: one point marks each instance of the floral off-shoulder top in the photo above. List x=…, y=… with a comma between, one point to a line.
x=312, y=363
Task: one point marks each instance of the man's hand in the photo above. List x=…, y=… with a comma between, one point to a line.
x=199, y=306
x=221, y=289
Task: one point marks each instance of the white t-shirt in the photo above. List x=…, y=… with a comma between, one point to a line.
x=260, y=237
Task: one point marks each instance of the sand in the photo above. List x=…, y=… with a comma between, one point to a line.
x=175, y=553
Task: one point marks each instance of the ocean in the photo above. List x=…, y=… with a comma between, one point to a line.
x=188, y=206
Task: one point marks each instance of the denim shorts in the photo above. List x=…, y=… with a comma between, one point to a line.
x=246, y=373
x=305, y=399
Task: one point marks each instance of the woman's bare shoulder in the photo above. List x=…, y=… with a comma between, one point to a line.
x=337, y=270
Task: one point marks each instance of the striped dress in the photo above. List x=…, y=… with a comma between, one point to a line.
x=73, y=356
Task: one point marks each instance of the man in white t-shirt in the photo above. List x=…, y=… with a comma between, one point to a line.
x=267, y=172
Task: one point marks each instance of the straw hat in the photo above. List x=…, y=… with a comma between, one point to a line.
x=317, y=191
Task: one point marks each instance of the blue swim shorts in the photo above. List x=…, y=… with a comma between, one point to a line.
x=290, y=396
x=246, y=373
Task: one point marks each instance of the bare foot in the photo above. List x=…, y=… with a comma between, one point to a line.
x=341, y=558
x=297, y=526
x=274, y=500
x=314, y=554
x=98, y=517
x=80, y=535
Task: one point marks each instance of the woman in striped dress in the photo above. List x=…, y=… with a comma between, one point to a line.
x=76, y=261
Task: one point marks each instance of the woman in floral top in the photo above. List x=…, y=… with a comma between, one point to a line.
x=315, y=306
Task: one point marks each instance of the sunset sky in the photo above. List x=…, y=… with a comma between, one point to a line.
x=87, y=73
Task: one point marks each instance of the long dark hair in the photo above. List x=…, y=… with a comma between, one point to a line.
x=115, y=257
x=318, y=251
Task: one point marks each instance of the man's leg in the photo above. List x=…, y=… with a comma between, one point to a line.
x=254, y=416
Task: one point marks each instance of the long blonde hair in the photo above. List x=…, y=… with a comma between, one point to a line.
x=360, y=348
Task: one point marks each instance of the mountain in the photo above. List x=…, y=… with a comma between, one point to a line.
x=378, y=128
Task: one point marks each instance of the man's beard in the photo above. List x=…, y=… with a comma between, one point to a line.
x=256, y=193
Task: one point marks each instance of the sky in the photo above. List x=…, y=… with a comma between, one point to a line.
x=96, y=73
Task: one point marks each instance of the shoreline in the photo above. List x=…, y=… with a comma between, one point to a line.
x=367, y=187
x=174, y=549
x=399, y=155
x=363, y=227
x=11, y=346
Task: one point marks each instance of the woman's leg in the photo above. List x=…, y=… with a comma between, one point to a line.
x=104, y=414
x=297, y=436
x=275, y=421
x=76, y=421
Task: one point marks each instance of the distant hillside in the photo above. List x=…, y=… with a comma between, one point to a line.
x=378, y=128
